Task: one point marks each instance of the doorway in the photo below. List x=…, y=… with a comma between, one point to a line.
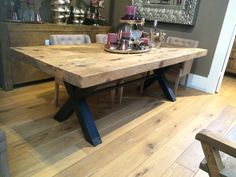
x=230, y=60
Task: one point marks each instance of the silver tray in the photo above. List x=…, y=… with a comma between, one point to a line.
x=127, y=51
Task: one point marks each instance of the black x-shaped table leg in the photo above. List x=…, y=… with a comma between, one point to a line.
x=160, y=77
x=77, y=103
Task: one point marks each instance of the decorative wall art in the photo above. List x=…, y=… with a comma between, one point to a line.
x=169, y=11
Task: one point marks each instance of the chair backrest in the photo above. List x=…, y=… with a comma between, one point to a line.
x=219, y=151
x=69, y=39
x=182, y=42
x=101, y=38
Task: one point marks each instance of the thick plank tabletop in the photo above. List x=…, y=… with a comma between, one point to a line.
x=89, y=65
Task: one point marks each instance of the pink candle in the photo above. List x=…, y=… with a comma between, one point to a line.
x=130, y=10
x=125, y=34
x=112, y=38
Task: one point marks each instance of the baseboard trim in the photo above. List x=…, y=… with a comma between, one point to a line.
x=201, y=83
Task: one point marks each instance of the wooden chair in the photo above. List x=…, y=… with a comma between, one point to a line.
x=102, y=39
x=220, y=154
x=183, y=69
x=71, y=39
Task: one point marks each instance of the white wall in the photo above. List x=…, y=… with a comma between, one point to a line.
x=224, y=46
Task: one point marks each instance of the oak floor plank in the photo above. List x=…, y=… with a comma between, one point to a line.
x=138, y=154
x=160, y=161
x=176, y=170
x=177, y=110
x=201, y=173
x=194, y=154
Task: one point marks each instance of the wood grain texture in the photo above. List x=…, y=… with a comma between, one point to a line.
x=144, y=136
x=20, y=34
x=216, y=163
x=89, y=65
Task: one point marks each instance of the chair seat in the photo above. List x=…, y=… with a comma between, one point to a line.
x=229, y=163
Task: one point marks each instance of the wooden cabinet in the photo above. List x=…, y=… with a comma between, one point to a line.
x=13, y=72
x=232, y=60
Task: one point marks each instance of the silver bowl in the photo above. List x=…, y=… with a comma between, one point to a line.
x=60, y=2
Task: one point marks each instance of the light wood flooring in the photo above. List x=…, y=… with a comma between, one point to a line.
x=145, y=136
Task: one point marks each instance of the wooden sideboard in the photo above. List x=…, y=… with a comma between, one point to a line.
x=12, y=72
x=231, y=68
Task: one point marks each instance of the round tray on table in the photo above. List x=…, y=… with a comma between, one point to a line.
x=148, y=49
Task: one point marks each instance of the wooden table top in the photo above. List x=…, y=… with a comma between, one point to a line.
x=89, y=65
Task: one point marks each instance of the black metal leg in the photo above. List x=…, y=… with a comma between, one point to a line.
x=77, y=103
x=65, y=112
x=168, y=92
x=149, y=82
x=87, y=123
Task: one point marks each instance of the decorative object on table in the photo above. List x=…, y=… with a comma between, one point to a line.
x=130, y=37
x=169, y=11
x=60, y=11
x=93, y=15
x=156, y=36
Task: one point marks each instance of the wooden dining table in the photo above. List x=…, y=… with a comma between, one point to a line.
x=87, y=69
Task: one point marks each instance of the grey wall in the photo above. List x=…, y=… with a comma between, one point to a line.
x=206, y=30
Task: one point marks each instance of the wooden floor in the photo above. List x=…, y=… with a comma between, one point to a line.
x=145, y=136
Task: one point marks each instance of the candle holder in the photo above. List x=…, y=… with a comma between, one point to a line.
x=131, y=38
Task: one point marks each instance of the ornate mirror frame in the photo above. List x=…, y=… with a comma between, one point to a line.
x=185, y=14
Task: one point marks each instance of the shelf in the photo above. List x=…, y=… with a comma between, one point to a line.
x=132, y=22
x=96, y=6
